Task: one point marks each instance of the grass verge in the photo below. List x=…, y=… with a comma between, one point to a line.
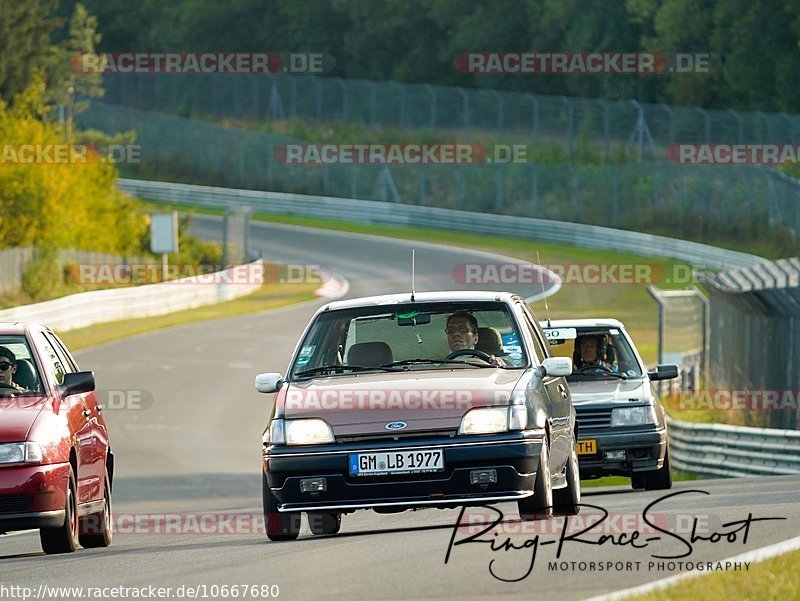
x=269, y=296
x=771, y=580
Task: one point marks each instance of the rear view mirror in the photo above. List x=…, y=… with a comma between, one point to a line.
x=77, y=382
x=413, y=320
x=664, y=372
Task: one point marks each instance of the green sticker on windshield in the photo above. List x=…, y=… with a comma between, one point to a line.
x=408, y=315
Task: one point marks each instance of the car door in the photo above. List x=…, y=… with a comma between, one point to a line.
x=99, y=436
x=559, y=398
x=77, y=415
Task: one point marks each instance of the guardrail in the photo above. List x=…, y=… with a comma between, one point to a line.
x=389, y=213
x=98, y=306
x=734, y=451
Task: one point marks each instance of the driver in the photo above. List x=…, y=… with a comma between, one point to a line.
x=8, y=367
x=589, y=349
x=462, y=334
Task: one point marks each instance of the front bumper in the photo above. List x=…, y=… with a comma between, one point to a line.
x=644, y=451
x=515, y=458
x=33, y=496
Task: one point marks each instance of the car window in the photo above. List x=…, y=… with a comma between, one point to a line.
x=27, y=375
x=52, y=364
x=615, y=352
x=63, y=354
x=541, y=353
x=375, y=336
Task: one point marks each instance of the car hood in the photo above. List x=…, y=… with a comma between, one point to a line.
x=17, y=415
x=366, y=403
x=590, y=392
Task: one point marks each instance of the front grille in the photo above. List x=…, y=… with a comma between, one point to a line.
x=397, y=436
x=592, y=420
x=15, y=503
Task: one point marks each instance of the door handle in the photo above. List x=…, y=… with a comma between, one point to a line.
x=86, y=413
x=563, y=391
x=99, y=408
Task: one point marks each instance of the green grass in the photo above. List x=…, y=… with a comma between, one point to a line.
x=775, y=579
x=677, y=476
x=269, y=296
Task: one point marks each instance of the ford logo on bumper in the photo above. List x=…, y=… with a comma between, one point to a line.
x=396, y=426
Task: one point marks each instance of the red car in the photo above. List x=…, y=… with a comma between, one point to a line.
x=56, y=464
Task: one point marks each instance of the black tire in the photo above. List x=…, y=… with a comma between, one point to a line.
x=540, y=505
x=566, y=501
x=637, y=480
x=324, y=522
x=280, y=526
x=64, y=538
x=97, y=530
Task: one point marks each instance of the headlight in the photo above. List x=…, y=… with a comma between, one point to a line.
x=20, y=452
x=633, y=416
x=301, y=431
x=486, y=420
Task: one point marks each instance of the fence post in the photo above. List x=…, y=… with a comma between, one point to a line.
x=606, y=141
x=464, y=111
x=371, y=87
x=671, y=115
x=402, y=97
x=706, y=125
x=534, y=116
x=344, y=97
x=319, y=98
x=432, y=92
x=498, y=188
x=739, y=124
x=534, y=189
x=570, y=126
x=501, y=119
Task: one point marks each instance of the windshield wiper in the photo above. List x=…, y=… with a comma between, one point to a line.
x=339, y=368
x=437, y=362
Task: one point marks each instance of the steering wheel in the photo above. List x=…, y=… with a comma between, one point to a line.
x=469, y=352
x=601, y=368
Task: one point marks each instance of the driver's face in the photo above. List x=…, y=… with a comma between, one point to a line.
x=589, y=350
x=460, y=334
x=6, y=374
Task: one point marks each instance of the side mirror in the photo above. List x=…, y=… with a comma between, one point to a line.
x=269, y=382
x=557, y=366
x=77, y=383
x=664, y=372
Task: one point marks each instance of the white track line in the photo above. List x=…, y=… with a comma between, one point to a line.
x=755, y=556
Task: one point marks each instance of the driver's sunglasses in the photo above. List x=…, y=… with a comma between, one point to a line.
x=461, y=330
x=5, y=365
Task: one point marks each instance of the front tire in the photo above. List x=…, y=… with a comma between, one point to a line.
x=279, y=526
x=566, y=501
x=64, y=539
x=540, y=505
x=655, y=479
x=97, y=530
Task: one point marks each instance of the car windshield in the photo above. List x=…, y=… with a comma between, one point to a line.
x=409, y=337
x=25, y=375
x=597, y=353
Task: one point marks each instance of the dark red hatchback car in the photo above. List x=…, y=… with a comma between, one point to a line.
x=56, y=464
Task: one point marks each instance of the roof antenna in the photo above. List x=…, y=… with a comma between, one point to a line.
x=412, y=275
x=541, y=272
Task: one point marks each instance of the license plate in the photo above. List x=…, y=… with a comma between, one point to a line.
x=397, y=462
x=587, y=447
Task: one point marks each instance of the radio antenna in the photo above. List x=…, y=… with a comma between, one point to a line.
x=541, y=278
x=412, y=274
